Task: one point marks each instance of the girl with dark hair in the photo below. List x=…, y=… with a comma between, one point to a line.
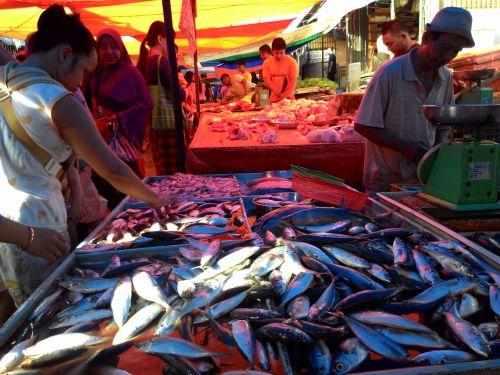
x=41, y=126
x=117, y=93
x=153, y=63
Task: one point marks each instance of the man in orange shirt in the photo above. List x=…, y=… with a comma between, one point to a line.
x=280, y=72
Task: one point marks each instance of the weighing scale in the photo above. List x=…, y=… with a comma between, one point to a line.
x=461, y=174
x=475, y=94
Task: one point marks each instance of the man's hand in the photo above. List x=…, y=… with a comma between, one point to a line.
x=414, y=152
x=48, y=244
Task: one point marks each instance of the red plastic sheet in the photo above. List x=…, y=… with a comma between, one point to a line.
x=212, y=152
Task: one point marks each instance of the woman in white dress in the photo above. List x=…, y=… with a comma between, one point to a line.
x=39, y=91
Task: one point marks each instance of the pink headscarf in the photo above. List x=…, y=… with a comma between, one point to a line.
x=121, y=88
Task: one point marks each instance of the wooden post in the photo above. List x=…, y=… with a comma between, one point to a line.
x=197, y=78
x=174, y=83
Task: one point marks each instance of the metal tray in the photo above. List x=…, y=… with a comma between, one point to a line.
x=393, y=200
x=124, y=205
x=242, y=178
x=373, y=207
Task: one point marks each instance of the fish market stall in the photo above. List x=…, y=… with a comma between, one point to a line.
x=318, y=289
x=314, y=134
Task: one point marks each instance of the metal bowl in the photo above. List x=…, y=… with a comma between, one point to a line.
x=462, y=114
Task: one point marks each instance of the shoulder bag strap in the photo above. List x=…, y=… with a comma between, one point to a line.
x=41, y=155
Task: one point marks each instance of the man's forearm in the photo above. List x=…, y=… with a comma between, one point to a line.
x=381, y=137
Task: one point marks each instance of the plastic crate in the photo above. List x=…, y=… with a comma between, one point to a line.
x=341, y=196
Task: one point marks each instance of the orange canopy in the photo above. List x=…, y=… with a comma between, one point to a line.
x=222, y=25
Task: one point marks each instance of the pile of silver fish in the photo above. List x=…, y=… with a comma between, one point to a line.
x=189, y=186
x=330, y=292
x=140, y=227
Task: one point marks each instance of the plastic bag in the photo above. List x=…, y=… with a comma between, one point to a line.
x=94, y=205
x=120, y=145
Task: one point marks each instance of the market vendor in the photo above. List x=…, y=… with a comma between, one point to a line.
x=390, y=115
x=280, y=72
x=396, y=37
x=237, y=87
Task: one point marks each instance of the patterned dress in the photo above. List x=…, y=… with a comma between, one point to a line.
x=30, y=193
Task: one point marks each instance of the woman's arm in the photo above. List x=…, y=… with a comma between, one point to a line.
x=80, y=131
x=76, y=194
x=40, y=242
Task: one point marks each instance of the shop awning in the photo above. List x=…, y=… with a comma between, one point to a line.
x=225, y=28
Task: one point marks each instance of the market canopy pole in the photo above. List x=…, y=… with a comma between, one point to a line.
x=174, y=83
x=187, y=24
x=195, y=57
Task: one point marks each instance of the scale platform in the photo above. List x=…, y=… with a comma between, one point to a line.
x=494, y=207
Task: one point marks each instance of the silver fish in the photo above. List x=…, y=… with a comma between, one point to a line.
x=443, y=357
x=87, y=285
x=147, y=288
x=59, y=346
x=320, y=358
x=311, y=251
x=469, y=305
x=298, y=308
x=425, y=269
x=469, y=334
x=354, y=231
x=14, y=356
x=245, y=339
x=265, y=264
x=402, y=253
x=46, y=304
x=121, y=301
x=375, y=341
x=278, y=282
x=347, y=258
x=379, y=273
x=489, y=330
x=86, y=316
x=382, y=318
x=174, y=346
x=169, y=322
x=299, y=285
x=448, y=288
x=212, y=254
x=324, y=303
x=415, y=339
x=137, y=322
x=350, y=355
x=494, y=293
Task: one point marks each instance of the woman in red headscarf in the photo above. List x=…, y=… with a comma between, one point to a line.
x=118, y=94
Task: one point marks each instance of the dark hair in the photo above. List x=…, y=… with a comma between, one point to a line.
x=278, y=43
x=156, y=29
x=395, y=27
x=265, y=48
x=188, y=76
x=240, y=62
x=55, y=27
x=224, y=75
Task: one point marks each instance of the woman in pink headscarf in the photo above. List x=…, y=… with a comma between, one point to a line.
x=116, y=91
